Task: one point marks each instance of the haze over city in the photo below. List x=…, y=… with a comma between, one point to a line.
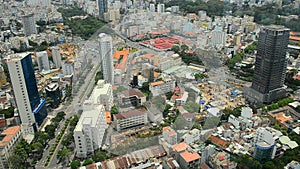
x=154, y=84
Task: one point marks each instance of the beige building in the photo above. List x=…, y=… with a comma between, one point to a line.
x=131, y=118
x=8, y=140
x=162, y=87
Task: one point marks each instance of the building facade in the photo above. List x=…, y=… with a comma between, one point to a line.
x=43, y=61
x=89, y=131
x=54, y=93
x=29, y=26
x=31, y=107
x=102, y=7
x=102, y=94
x=8, y=140
x=105, y=57
x=270, y=65
x=68, y=68
x=56, y=57
x=162, y=87
x=131, y=119
x=132, y=97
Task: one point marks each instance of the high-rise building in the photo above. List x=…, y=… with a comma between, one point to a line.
x=160, y=8
x=152, y=8
x=218, y=37
x=102, y=7
x=89, y=131
x=56, y=57
x=105, y=58
x=68, y=68
x=43, y=61
x=29, y=26
x=31, y=107
x=270, y=65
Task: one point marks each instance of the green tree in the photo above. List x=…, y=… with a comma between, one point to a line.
x=184, y=47
x=87, y=162
x=114, y=110
x=15, y=162
x=64, y=154
x=75, y=164
x=175, y=48
x=8, y=113
x=50, y=130
x=99, y=156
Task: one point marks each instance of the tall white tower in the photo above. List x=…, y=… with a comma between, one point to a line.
x=105, y=58
x=43, y=61
x=56, y=56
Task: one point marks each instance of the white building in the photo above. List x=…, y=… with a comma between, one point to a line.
x=162, y=87
x=29, y=26
x=68, y=68
x=218, y=38
x=246, y=112
x=102, y=94
x=152, y=7
x=131, y=119
x=213, y=112
x=174, y=9
x=192, y=136
x=268, y=136
x=34, y=3
x=160, y=8
x=89, y=131
x=9, y=138
x=42, y=61
x=56, y=56
x=169, y=135
x=106, y=57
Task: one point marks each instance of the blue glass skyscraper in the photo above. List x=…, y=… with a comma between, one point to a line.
x=31, y=107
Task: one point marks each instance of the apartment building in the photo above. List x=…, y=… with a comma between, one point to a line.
x=162, y=87
x=131, y=119
x=132, y=97
x=89, y=131
x=102, y=94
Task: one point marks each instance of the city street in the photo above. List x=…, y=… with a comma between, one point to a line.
x=71, y=107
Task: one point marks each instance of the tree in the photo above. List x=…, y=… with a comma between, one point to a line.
x=184, y=47
x=50, y=130
x=175, y=48
x=15, y=162
x=64, y=154
x=8, y=113
x=41, y=137
x=145, y=87
x=87, y=162
x=75, y=164
x=169, y=95
x=114, y=110
x=99, y=156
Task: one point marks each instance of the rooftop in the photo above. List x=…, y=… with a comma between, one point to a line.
x=157, y=83
x=190, y=156
x=8, y=134
x=180, y=147
x=131, y=113
x=132, y=92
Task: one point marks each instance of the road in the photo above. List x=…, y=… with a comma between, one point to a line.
x=71, y=107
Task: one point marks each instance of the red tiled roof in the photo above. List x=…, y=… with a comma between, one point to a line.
x=189, y=156
x=218, y=141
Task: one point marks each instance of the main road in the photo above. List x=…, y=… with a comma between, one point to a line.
x=71, y=108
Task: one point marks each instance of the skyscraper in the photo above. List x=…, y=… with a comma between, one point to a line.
x=270, y=65
x=31, y=107
x=29, y=26
x=106, y=57
x=43, y=61
x=56, y=56
x=102, y=7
